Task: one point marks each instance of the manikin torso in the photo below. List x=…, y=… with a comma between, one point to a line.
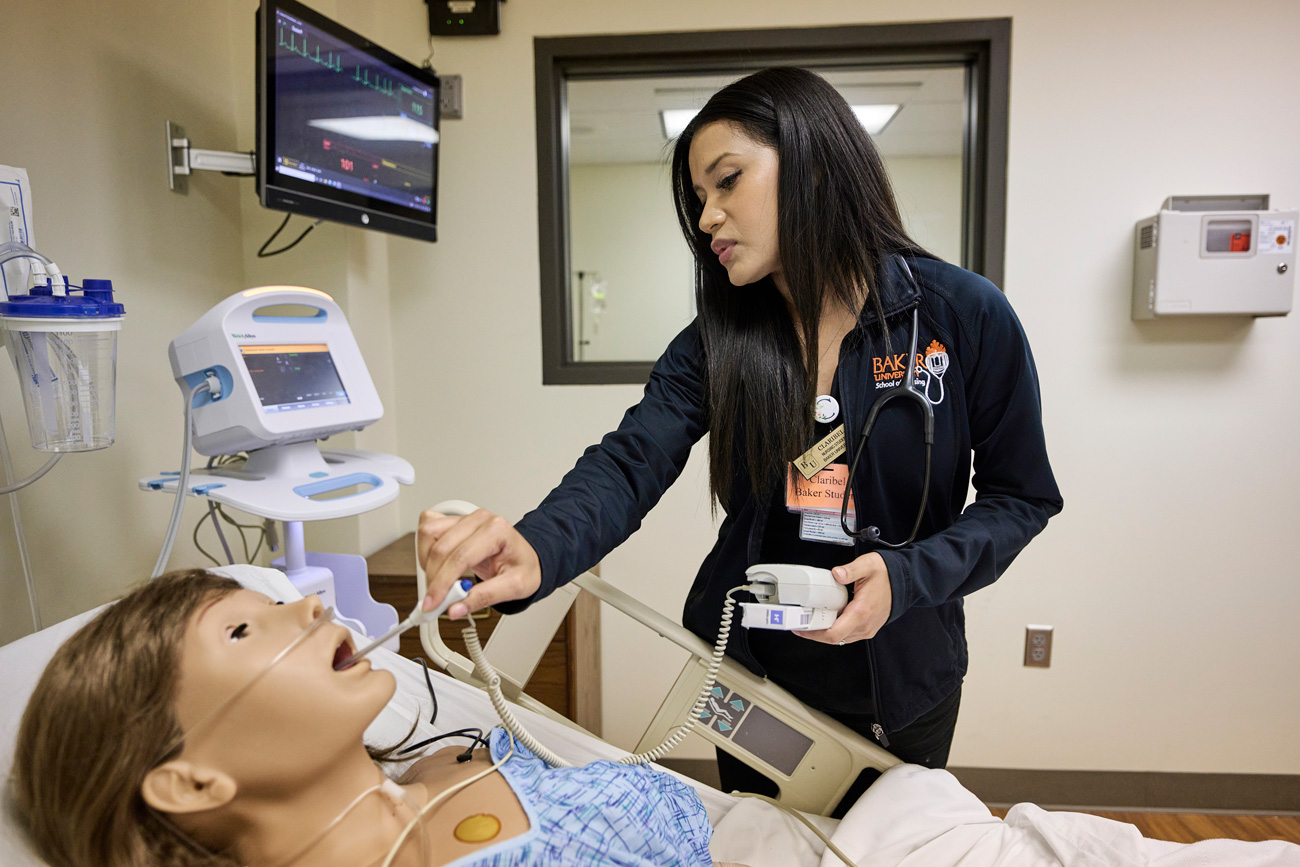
x=490, y=796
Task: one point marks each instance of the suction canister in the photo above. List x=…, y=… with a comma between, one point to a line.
x=64, y=348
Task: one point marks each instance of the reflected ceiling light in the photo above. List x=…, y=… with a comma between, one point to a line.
x=379, y=128
x=674, y=120
x=874, y=118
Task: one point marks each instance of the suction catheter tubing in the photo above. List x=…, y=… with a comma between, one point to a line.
x=417, y=617
x=15, y=250
x=34, y=477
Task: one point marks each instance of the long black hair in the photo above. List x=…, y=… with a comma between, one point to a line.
x=837, y=224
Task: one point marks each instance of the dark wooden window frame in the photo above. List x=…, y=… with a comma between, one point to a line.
x=982, y=46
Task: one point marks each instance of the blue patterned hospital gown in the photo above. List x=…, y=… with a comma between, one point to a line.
x=602, y=813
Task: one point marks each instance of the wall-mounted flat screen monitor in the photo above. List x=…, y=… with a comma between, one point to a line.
x=346, y=130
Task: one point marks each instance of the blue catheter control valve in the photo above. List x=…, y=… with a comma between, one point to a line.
x=418, y=617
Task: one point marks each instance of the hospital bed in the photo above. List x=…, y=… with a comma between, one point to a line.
x=460, y=705
x=813, y=758
x=911, y=816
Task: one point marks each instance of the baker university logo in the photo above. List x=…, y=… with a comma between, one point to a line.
x=931, y=365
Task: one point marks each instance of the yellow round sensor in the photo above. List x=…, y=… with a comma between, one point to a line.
x=478, y=828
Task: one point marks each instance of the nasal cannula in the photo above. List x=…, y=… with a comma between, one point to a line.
x=418, y=617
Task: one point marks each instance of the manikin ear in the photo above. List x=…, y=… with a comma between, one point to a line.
x=184, y=787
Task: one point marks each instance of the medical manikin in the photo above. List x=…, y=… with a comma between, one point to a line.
x=198, y=723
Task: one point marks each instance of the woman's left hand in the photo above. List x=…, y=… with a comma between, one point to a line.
x=869, y=608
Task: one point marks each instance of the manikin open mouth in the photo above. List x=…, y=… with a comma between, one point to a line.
x=343, y=652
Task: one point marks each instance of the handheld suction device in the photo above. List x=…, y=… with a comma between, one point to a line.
x=418, y=617
x=792, y=597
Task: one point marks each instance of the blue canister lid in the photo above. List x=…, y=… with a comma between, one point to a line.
x=95, y=302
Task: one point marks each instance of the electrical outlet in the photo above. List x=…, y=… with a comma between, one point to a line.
x=452, y=103
x=1038, y=646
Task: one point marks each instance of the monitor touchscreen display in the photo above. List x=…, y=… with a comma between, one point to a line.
x=349, y=123
x=294, y=376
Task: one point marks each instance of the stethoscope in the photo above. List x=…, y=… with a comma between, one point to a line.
x=872, y=533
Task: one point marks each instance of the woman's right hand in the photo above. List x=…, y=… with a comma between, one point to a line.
x=450, y=545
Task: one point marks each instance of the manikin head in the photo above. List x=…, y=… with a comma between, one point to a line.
x=120, y=746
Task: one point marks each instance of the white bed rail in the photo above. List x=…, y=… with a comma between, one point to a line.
x=812, y=758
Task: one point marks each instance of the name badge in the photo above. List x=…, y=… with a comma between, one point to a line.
x=817, y=502
x=819, y=527
x=811, y=462
x=822, y=493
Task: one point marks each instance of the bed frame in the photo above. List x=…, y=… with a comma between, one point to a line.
x=812, y=758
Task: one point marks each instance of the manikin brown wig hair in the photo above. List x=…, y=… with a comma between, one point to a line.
x=93, y=728
x=97, y=723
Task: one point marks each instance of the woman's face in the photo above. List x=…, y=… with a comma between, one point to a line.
x=735, y=178
x=301, y=711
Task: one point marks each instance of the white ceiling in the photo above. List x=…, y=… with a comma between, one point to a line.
x=617, y=120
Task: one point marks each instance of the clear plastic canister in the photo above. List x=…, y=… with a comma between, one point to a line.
x=67, y=367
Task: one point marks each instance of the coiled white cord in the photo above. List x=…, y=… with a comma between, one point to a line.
x=492, y=679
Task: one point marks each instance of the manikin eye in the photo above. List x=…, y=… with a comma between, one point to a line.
x=239, y=632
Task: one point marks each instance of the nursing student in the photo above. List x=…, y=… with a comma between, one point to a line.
x=814, y=306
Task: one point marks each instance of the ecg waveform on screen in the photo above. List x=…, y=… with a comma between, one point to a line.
x=382, y=83
x=297, y=43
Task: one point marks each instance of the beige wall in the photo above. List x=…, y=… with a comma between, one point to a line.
x=88, y=88
x=1171, y=577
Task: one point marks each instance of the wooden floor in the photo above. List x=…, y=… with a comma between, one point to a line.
x=1191, y=827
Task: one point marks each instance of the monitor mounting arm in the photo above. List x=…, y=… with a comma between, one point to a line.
x=182, y=160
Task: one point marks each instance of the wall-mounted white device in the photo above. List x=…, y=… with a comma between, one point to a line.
x=792, y=597
x=1215, y=255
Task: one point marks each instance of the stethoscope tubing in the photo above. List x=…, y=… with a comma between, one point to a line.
x=906, y=390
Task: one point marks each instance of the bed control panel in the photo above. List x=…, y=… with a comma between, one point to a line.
x=812, y=758
x=749, y=726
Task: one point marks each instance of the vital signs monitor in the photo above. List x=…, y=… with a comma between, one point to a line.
x=270, y=371
x=283, y=368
